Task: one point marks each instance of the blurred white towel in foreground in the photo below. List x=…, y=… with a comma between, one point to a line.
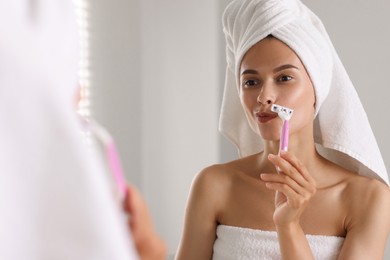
x=237, y=243
x=55, y=198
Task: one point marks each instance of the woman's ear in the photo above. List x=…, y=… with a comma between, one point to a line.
x=315, y=102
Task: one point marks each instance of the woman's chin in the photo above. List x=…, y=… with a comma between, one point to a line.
x=272, y=136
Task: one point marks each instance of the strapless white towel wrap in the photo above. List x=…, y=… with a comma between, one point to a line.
x=243, y=243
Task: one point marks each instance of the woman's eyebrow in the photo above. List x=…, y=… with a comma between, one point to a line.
x=285, y=66
x=249, y=71
x=277, y=69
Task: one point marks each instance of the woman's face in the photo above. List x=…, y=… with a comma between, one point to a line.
x=271, y=73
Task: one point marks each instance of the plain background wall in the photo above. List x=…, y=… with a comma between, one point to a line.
x=180, y=104
x=154, y=85
x=157, y=73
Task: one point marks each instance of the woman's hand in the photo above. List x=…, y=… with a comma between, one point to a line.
x=148, y=244
x=294, y=188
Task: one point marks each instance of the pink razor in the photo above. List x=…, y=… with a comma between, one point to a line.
x=111, y=154
x=285, y=114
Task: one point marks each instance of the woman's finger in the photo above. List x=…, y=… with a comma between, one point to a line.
x=290, y=166
x=287, y=168
x=294, y=199
x=281, y=178
x=293, y=168
x=297, y=164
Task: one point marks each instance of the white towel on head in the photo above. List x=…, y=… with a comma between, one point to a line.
x=341, y=127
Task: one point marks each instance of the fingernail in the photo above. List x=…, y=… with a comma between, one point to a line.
x=270, y=156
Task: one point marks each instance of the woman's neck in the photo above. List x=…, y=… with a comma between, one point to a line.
x=301, y=145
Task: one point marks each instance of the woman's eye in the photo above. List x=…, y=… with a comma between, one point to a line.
x=285, y=78
x=250, y=83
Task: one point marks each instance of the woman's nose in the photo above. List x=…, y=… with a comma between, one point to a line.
x=267, y=101
x=265, y=96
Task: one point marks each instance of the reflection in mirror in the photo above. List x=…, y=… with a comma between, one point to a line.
x=157, y=75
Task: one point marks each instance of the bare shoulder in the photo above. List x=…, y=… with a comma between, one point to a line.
x=366, y=203
x=206, y=202
x=366, y=189
x=366, y=199
x=211, y=175
x=218, y=177
x=210, y=192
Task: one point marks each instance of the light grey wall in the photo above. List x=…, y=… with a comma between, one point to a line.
x=157, y=75
x=115, y=53
x=154, y=85
x=180, y=112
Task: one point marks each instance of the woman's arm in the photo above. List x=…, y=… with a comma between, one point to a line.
x=294, y=188
x=368, y=221
x=200, y=223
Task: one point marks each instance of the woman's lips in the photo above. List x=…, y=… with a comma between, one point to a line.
x=265, y=117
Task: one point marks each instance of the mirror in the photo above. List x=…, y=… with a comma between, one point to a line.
x=156, y=79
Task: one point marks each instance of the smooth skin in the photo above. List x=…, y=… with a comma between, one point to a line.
x=309, y=194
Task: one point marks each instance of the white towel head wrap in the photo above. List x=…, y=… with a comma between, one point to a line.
x=341, y=128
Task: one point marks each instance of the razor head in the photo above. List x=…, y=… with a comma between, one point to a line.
x=284, y=113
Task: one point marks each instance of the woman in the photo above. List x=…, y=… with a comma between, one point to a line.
x=326, y=198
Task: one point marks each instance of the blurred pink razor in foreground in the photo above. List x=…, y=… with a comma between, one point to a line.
x=111, y=153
